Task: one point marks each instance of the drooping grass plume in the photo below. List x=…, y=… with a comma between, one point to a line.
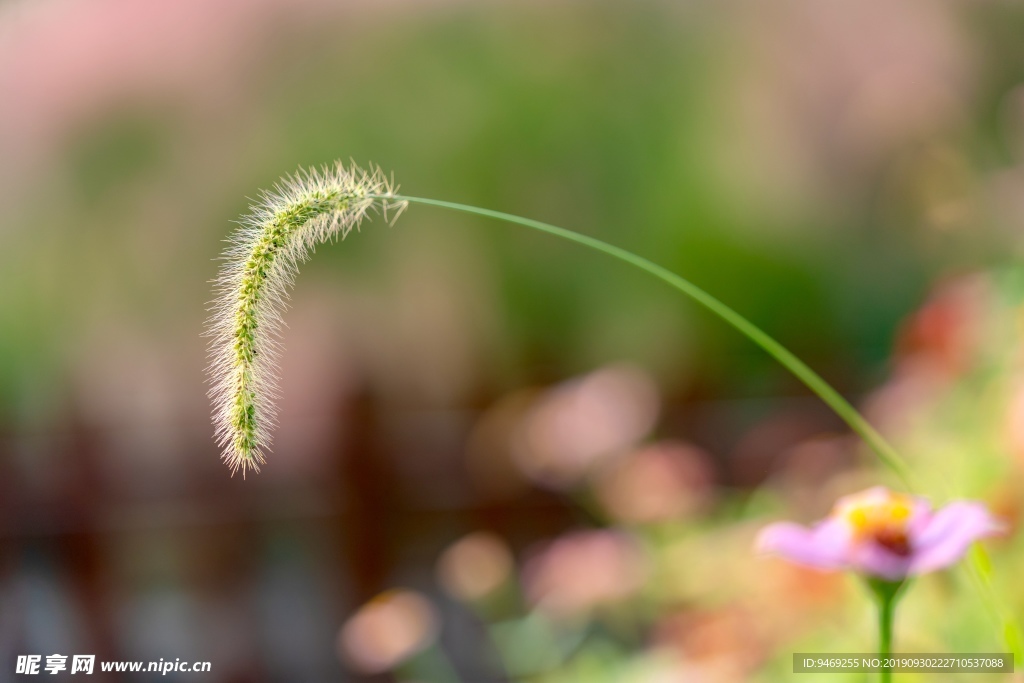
x=280, y=231
x=312, y=206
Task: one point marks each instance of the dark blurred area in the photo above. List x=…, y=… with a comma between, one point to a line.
x=848, y=174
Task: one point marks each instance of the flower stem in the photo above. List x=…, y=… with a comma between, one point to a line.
x=887, y=594
x=885, y=616
x=886, y=453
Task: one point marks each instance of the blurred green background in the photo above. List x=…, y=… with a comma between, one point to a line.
x=848, y=175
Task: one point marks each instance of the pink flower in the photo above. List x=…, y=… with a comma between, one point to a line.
x=884, y=534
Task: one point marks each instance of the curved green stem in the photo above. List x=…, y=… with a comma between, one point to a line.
x=885, y=617
x=886, y=453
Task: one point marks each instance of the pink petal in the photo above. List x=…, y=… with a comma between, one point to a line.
x=949, y=534
x=826, y=546
x=920, y=515
x=876, y=560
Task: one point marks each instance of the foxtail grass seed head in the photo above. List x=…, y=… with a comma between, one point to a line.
x=280, y=231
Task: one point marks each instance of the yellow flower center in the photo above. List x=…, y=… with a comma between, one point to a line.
x=879, y=516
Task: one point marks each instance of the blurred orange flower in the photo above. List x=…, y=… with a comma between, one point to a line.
x=580, y=423
x=657, y=482
x=582, y=571
x=475, y=566
x=388, y=630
